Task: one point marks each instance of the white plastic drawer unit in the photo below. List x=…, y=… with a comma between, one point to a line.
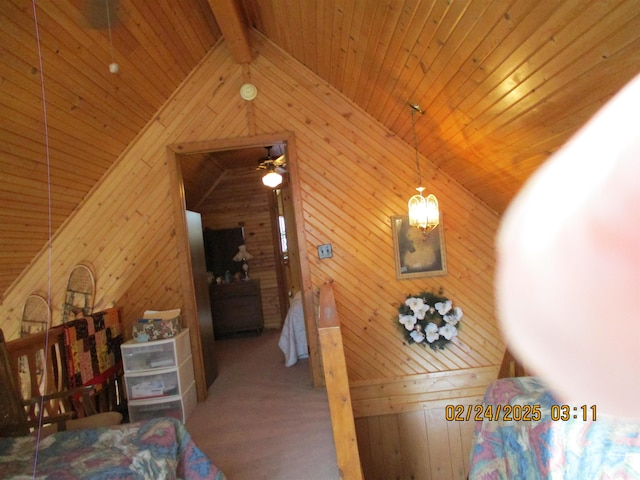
x=158, y=354
x=176, y=407
x=160, y=383
x=159, y=378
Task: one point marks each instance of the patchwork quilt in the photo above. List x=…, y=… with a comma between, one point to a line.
x=93, y=347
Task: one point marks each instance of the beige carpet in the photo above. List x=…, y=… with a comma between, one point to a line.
x=263, y=420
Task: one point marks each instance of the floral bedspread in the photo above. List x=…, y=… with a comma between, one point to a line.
x=559, y=443
x=155, y=449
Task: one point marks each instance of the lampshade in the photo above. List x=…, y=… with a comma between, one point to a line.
x=242, y=254
x=423, y=212
x=272, y=179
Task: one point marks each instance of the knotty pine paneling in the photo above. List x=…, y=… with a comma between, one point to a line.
x=354, y=175
x=419, y=392
x=125, y=229
x=362, y=244
x=503, y=84
x=420, y=444
x=91, y=115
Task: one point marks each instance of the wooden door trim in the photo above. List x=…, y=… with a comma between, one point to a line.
x=185, y=148
x=283, y=289
x=189, y=310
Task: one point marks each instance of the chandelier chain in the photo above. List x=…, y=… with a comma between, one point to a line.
x=415, y=143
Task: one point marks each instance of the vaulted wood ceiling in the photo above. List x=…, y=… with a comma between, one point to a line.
x=503, y=83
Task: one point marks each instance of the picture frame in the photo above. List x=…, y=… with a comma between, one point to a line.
x=417, y=254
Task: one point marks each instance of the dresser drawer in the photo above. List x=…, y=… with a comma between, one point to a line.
x=236, y=307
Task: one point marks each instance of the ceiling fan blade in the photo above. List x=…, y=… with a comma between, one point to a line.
x=280, y=161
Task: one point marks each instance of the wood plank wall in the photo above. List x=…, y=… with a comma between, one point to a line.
x=354, y=176
x=416, y=445
x=125, y=228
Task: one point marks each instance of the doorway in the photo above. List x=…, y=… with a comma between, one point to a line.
x=206, y=172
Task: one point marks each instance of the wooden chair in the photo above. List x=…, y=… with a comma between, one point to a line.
x=33, y=393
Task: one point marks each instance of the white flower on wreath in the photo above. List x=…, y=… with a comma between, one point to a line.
x=429, y=319
x=454, y=316
x=409, y=321
x=417, y=336
x=448, y=331
x=418, y=306
x=443, y=307
x=432, y=332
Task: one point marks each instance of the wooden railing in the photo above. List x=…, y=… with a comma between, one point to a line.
x=337, y=384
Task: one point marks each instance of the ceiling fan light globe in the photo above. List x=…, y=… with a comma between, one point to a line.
x=272, y=179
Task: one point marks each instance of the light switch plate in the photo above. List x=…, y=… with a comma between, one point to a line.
x=324, y=251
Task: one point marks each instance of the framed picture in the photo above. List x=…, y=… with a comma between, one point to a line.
x=417, y=254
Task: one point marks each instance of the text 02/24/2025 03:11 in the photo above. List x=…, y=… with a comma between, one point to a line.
x=516, y=413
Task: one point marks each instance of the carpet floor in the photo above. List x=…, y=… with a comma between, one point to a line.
x=262, y=420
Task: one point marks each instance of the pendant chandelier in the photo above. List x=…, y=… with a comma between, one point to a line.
x=423, y=212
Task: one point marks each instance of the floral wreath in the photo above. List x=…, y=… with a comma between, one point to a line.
x=429, y=319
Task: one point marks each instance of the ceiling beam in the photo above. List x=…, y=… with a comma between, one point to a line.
x=233, y=26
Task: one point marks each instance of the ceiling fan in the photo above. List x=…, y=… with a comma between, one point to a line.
x=275, y=167
x=270, y=162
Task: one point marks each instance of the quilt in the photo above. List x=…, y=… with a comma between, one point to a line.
x=542, y=438
x=93, y=347
x=160, y=448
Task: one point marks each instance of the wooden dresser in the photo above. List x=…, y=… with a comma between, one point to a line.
x=236, y=307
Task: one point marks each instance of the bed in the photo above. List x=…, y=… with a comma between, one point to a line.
x=540, y=438
x=293, y=338
x=160, y=448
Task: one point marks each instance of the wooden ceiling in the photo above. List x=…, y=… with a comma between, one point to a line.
x=503, y=83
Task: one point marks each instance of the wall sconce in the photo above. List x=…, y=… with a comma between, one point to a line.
x=243, y=256
x=423, y=212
